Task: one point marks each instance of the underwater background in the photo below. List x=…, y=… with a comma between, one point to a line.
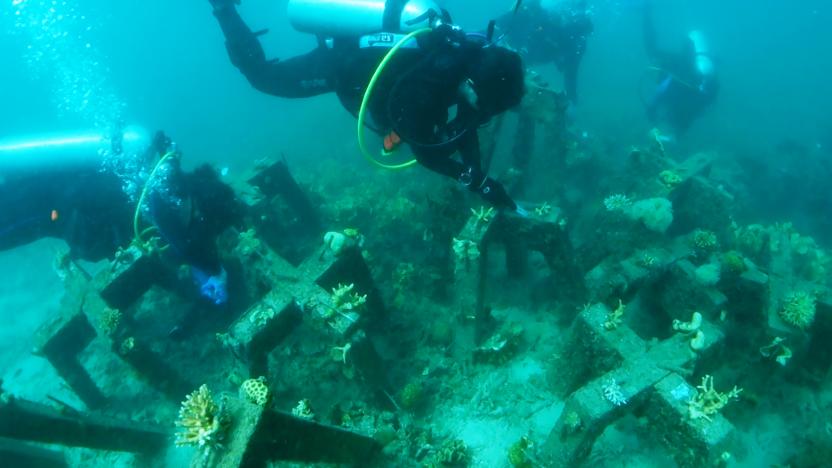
x=74, y=65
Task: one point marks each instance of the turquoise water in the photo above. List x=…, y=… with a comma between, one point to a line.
x=77, y=67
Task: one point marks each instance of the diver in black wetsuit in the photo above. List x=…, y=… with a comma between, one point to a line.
x=687, y=82
x=61, y=188
x=416, y=95
x=550, y=31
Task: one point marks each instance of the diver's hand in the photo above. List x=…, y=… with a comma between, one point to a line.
x=212, y=287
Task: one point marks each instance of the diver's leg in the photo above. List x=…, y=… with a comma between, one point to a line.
x=24, y=214
x=303, y=76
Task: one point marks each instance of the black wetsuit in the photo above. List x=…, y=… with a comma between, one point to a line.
x=87, y=208
x=542, y=38
x=83, y=206
x=683, y=92
x=412, y=97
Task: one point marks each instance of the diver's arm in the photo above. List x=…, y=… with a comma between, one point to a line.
x=303, y=76
x=469, y=150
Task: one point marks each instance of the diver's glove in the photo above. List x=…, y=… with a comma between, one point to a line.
x=212, y=287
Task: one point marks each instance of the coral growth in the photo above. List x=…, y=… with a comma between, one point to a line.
x=777, y=350
x=518, y=453
x=110, y=320
x=344, y=298
x=655, y=213
x=617, y=202
x=704, y=240
x=798, y=309
x=303, y=410
x=615, y=317
x=255, y=391
x=670, y=179
x=614, y=394
x=201, y=420
x=708, y=402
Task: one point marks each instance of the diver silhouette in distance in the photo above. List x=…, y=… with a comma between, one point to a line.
x=434, y=94
x=550, y=31
x=686, y=79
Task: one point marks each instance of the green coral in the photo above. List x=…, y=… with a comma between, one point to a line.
x=452, y=453
x=733, y=263
x=411, y=395
x=704, y=240
x=517, y=453
x=799, y=309
x=670, y=179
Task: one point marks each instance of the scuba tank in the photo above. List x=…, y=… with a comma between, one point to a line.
x=350, y=18
x=68, y=150
x=704, y=64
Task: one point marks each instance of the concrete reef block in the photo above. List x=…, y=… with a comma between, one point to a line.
x=131, y=274
x=593, y=407
x=16, y=453
x=349, y=267
x=236, y=450
x=749, y=297
x=60, y=340
x=263, y=326
x=546, y=237
x=25, y=420
x=591, y=350
x=153, y=367
x=680, y=293
x=697, y=203
x=692, y=442
x=622, y=278
x=285, y=217
x=260, y=435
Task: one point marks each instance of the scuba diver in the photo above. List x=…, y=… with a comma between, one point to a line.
x=433, y=93
x=550, y=31
x=85, y=189
x=687, y=82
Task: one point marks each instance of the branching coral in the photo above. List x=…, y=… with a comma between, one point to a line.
x=543, y=210
x=482, y=215
x=708, y=402
x=344, y=298
x=201, y=420
x=615, y=317
x=304, y=410
x=614, y=394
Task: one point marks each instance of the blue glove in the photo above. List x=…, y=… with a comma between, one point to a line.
x=212, y=287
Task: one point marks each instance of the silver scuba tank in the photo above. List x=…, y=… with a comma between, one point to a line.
x=352, y=18
x=68, y=150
